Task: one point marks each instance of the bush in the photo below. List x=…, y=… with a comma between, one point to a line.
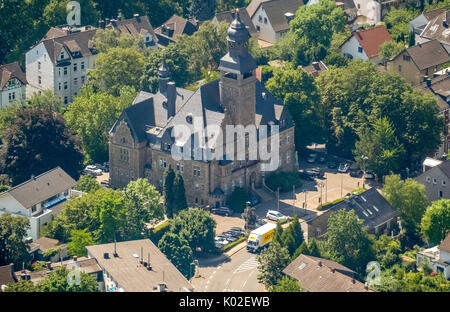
x=238, y=199
x=231, y=245
x=158, y=231
x=266, y=73
x=328, y=205
x=51, y=252
x=284, y=181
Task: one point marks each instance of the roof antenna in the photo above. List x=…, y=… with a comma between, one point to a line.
x=115, y=247
x=149, y=267
x=142, y=255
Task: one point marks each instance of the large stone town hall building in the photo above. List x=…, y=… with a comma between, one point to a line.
x=141, y=141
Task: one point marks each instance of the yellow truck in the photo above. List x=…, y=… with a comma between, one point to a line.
x=260, y=237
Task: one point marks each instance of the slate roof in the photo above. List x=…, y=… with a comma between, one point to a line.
x=440, y=88
x=73, y=42
x=253, y=7
x=228, y=16
x=131, y=275
x=276, y=9
x=372, y=39
x=176, y=25
x=9, y=71
x=428, y=54
x=135, y=26
x=321, y=275
x=7, y=275
x=445, y=244
x=438, y=29
x=42, y=187
x=370, y=206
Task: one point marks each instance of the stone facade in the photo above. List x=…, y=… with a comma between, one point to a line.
x=141, y=142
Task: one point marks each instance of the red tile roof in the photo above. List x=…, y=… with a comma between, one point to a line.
x=371, y=39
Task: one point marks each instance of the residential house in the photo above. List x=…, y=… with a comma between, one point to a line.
x=137, y=266
x=438, y=29
x=141, y=141
x=418, y=24
x=83, y=264
x=38, y=199
x=365, y=44
x=7, y=276
x=416, y=62
x=271, y=18
x=60, y=61
x=228, y=16
x=438, y=257
x=439, y=87
x=42, y=245
x=316, y=68
x=371, y=207
x=138, y=26
x=321, y=275
x=12, y=84
x=175, y=26
x=436, y=181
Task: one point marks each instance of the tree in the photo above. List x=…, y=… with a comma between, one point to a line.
x=57, y=281
x=387, y=251
x=435, y=224
x=21, y=286
x=336, y=59
x=8, y=115
x=106, y=39
x=177, y=250
x=298, y=91
x=179, y=193
x=202, y=9
x=79, y=239
x=197, y=227
x=378, y=149
x=142, y=202
x=278, y=234
x=302, y=250
x=87, y=184
x=37, y=142
x=311, y=32
x=289, y=241
x=117, y=68
x=12, y=246
x=297, y=231
x=169, y=195
x=287, y=284
x=313, y=249
x=272, y=262
x=390, y=49
x=347, y=240
x=397, y=23
x=238, y=199
x=409, y=199
x=46, y=101
x=92, y=115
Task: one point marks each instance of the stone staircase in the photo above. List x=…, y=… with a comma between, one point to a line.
x=263, y=194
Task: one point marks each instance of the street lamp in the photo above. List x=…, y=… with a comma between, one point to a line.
x=321, y=185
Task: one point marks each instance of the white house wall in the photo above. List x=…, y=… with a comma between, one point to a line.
x=351, y=48
x=39, y=54
x=19, y=92
x=266, y=32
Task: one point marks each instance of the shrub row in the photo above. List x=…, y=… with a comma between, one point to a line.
x=158, y=231
x=284, y=181
x=232, y=244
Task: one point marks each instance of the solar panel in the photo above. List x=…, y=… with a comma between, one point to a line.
x=302, y=266
x=363, y=198
x=376, y=209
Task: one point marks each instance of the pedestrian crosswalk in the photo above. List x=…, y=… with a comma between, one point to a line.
x=248, y=265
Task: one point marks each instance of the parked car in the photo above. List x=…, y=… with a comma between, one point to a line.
x=369, y=175
x=354, y=170
x=92, y=170
x=254, y=200
x=275, y=215
x=311, y=158
x=332, y=164
x=238, y=230
x=224, y=211
x=105, y=183
x=343, y=167
x=322, y=159
x=230, y=238
x=305, y=176
x=236, y=233
x=315, y=172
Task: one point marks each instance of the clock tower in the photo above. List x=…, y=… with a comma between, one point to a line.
x=237, y=76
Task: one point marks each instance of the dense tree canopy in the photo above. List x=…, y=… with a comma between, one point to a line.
x=177, y=250
x=287, y=284
x=57, y=281
x=37, y=142
x=12, y=246
x=272, y=262
x=86, y=184
x=410, y=200
x=397, y=23
x=79, y=239
x=92, y=115
x=435, y=224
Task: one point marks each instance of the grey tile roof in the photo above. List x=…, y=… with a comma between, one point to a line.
x=42, y=187
x=7, y=275
x=276, y=9
x=134, y=26
x=370, y=206
x=9, y=71
x=131, y=275
x=176, y=25
x=428, y=54
x=321, y=275
x=436, y=29
x=440, y=88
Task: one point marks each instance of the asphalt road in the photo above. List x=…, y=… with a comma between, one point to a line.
x=222, y=274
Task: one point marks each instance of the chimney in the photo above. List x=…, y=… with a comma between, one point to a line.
x=171, y=99
x=289, y=16
x=106, y=255
x=119, y=16
x=75, y=258
x=136, y=16
x=428, y=81
x=353, y=281
x=316, y=65
x=101, y=24
x=48, y=265
x=333, y=270
x=319, y=264
x=425, y=78
x=366, y=286
x=106, y=21
x=149, y=267
x=446, y=20
x=162, y=287
x=142, y=255
x=115, y=249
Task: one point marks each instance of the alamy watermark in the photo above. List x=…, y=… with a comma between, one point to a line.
x=74, y=15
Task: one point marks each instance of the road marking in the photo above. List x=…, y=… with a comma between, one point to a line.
x=207, y=283
x=228, y=281
x=250, y=264
x=214, y=272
